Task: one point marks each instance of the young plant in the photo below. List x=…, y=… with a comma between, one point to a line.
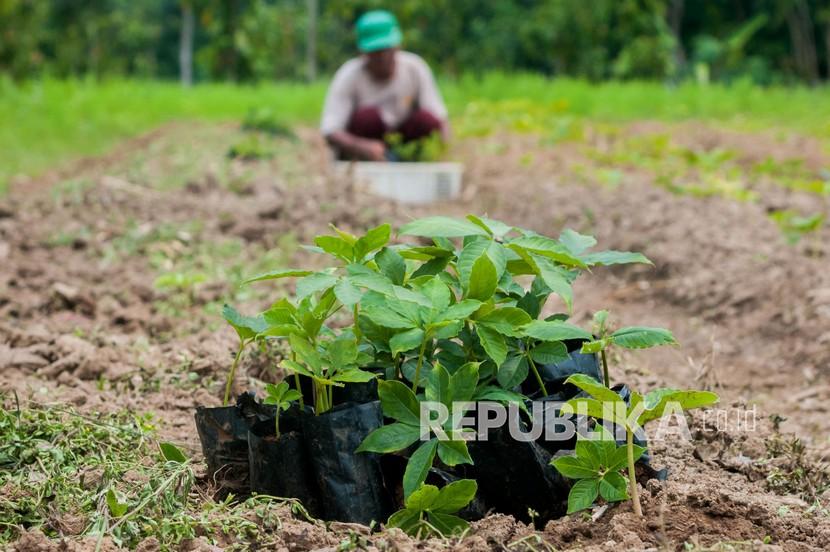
x=247, y=329
x=430, y=511
x=281, y=396
x=400, y=403
x=633, y=337
x=605, y=404
x=596, y=468
x=329, y=364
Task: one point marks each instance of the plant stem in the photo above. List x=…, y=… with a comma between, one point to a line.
x=538, y=376
x=299, y=390
x=232, y=373
x=277, y=422
x=605, y=369
x=417, y=377
x=356, y=311
x=632, y=476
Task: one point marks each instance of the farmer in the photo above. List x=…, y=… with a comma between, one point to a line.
x=383, y=91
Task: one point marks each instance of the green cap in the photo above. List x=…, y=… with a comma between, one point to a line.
x=377, y=30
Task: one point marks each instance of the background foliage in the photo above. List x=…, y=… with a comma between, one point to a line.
x=769, y=41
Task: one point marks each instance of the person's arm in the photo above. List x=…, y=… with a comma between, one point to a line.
x=356, y=146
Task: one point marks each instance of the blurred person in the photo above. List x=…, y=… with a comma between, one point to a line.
x=382, y=92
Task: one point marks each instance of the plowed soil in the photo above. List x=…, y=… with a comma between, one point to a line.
x=92, y=313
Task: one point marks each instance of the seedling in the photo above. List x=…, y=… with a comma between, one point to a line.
x=634, y=337
x=605, y=404
x=401, y=404
x=247, y=328
x=331, y=365
x=430, y=511
x=449, y=321
x=596, y=467
x=281, y=397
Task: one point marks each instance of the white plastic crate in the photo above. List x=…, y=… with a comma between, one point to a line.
x=411, y=183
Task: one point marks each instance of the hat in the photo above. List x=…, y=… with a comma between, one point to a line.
x=377, y=30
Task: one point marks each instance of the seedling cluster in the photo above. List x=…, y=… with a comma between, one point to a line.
x=459, y=313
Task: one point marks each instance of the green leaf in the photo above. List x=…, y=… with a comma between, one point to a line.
x=422, y=498
x=406, y=341
x=497, y=394
x=473, y=249
x=480, y=223
x=582, y=495
x=641, y=337
x=364, y=277
x=589, y=453
x=572, y=468
x=506, y=320
x=593, y=388
x=619, y=458
x=399, y=402
x=347, y=293
x=575, y=242
x=463, y=382
x=594, y=408
x=342, y=351
x=483, y=279
x=318, y=281
x=353, y=375
x=117, y=509
x=438, y=386
x=513, y=372
x=554, y=330
x=247, y=327
x=455, y=496
x=386, y=317
x=447, y=524
x=407, y=520
x=171, y=453
x=687, y=400
x=555, y=278
x=612, y=487
x=437, y=292
x=459, y=311
x=294, y=367
x=277, y=274
x=335, y=246
x=496, y=227
x=592, y=347
x=441, y=227
x=454, y=452
x=493, y=343
x=306, y=352
x=390, y=438
x=549, y=352
x=418, y=466
x=373, y=239
x=549, y=248
x=605, y=258
x=392, y=265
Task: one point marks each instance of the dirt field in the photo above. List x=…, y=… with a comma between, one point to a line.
x=112, y=272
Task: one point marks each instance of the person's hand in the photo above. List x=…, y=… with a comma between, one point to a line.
x=374, y=150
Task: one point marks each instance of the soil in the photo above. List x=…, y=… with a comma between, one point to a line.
x=83, y=320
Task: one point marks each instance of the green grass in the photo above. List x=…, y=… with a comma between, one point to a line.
x=49, y=122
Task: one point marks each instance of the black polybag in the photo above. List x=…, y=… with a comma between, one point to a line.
x=350, y=484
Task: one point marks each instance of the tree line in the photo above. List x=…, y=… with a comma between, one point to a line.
x=767, y=41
